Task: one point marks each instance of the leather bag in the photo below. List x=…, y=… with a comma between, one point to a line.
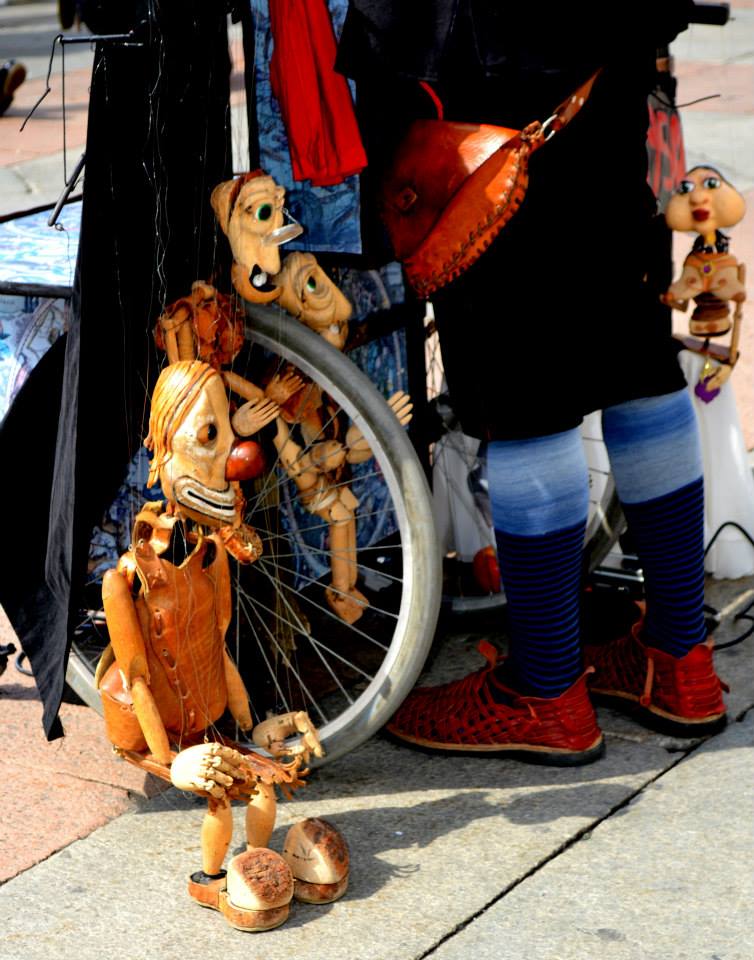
x=453, y=186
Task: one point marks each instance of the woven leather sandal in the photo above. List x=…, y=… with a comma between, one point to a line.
x=677, y=695
x=463, y=716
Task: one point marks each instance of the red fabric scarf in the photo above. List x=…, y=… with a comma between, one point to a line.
x=315, y=101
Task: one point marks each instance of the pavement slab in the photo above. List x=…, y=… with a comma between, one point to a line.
x=630, y=889
x=71, y=786
x=439, y=845
x=433, y=841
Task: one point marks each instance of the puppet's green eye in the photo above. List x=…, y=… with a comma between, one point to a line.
x=311, y=284
x=264, y=212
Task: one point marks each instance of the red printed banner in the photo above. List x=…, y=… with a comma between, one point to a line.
x=667, y=160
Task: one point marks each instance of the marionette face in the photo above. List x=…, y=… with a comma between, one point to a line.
x=309, y=294
x=190, y=432
x=250, y=212
x=704, y=202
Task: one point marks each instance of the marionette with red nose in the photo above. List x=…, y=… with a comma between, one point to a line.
x=167, y=676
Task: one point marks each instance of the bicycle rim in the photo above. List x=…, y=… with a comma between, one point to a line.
x=293, y=652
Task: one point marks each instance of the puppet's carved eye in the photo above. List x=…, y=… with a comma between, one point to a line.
x=206, y=433
x=264, y=212
x=311, y=284
x=686, y=186
x=711, y=183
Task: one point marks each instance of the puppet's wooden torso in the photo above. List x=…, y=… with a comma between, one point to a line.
x=183, y=611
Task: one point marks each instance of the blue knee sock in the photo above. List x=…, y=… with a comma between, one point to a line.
x=539, y=499
x=656, y=460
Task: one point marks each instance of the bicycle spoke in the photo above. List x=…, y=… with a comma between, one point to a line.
x=341, y=593
x=285, y=657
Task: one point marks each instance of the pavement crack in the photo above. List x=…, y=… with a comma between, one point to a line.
x=581, y=834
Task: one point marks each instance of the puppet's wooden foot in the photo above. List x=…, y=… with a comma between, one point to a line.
x=259, y=891
x=206, y=888
x=348, y=605
x=318, y=857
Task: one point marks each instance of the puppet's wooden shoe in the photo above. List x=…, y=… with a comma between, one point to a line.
x=347, y=606
x=259, y=890
x=205, y=889
x=318, y=857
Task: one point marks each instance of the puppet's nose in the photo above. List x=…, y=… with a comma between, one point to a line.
x=245, y=461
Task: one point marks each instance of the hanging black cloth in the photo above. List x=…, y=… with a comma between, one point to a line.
x=158, y=142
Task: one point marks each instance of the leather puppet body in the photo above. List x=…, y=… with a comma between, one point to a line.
x=167, y=676
x=179, y=607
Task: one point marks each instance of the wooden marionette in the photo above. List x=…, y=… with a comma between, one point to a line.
x=312, y=446
x=167, y=677
x=712, y=277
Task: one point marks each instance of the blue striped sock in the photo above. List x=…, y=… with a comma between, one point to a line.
x=655, y=455
x=542, y=579
x=539, y=499
x=668, y=534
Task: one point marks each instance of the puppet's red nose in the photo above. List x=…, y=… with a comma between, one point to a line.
x=245, y=461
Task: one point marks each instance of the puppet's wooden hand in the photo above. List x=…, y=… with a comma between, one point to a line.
x=272, y=734
x=208, y=768
x=252, y=416
x=282, y=387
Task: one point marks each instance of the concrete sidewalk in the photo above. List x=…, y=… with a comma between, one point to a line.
x=646, y=854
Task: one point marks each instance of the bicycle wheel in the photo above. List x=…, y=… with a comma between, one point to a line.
x=293, y=651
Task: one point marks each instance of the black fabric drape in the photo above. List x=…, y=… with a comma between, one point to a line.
x=158, y=142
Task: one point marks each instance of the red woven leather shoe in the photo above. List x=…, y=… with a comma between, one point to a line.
x=463, y=716
x=678, y=695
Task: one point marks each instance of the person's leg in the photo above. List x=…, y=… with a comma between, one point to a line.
x=539, y=497
x=656, y=461
x=664, y=665
x=533, y=705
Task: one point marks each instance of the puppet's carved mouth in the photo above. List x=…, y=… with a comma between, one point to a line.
x=215, y=504
x=260, y=281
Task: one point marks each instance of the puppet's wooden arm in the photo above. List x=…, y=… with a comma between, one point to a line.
x=147, y=762
x=238, y=697
x=243, y=387
x=130, y=652
x=670, y=301
x=292, y=457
